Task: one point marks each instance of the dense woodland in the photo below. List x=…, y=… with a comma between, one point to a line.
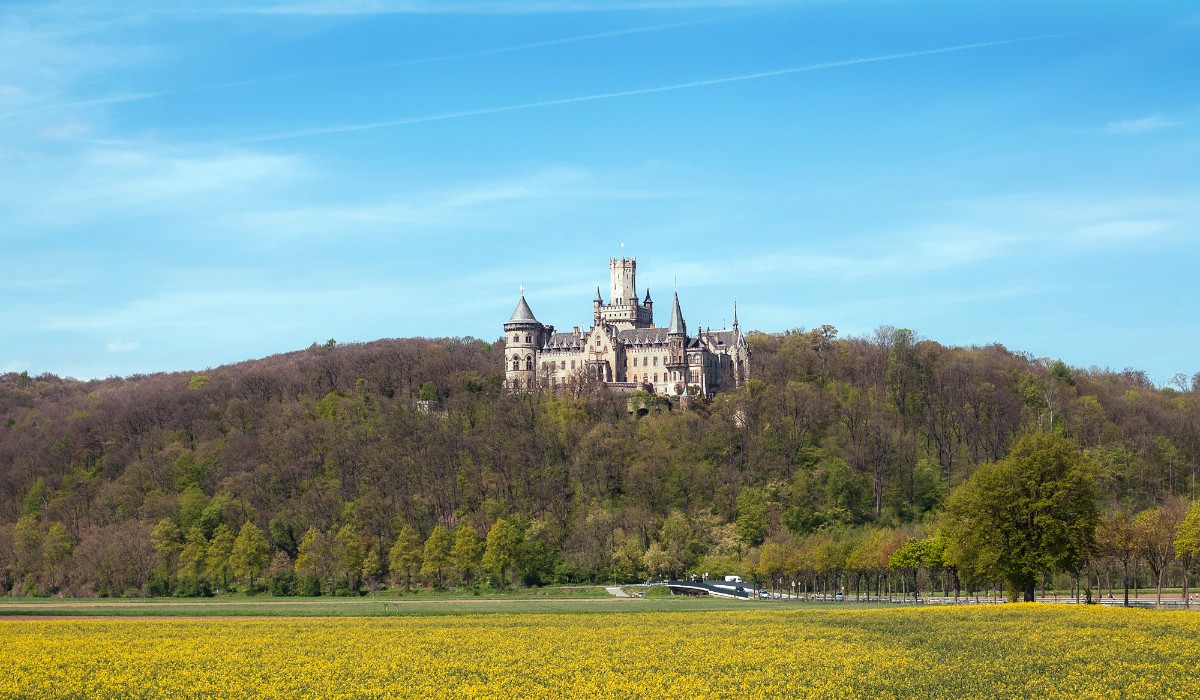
x=342, y=468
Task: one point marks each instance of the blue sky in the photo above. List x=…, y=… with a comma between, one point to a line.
x=184, y=185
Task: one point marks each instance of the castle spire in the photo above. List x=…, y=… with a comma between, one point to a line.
x=677, y=326
x=522, y=314
x=735, y=321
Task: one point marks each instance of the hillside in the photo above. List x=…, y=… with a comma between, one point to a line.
x=832, y=434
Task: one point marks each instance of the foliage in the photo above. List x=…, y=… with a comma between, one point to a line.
x=834, y=439
x=1028, y=515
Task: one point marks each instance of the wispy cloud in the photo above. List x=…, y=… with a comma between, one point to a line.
x=122, y=345
x=95, y=184
x=493, y=7
x=344, y=128
x=464, y=55
x=1140, y=126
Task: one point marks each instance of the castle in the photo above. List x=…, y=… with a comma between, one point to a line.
x=624, y=350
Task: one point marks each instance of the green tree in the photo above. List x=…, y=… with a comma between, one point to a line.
x=348, y=554
x=1187, y=546
x=405, y=555
x=27, y=548
x=435, y=558
x=467, y=553
x=626, y=557
x=191, y=562
x=314, y=562
x=57, y=548
x=662, y=562
x=909, y=560
x=1028, y=515
x=1117, y=538
x=251, y=553
x=217, y=561
x=372, y=568
x=503, y=544
x=753, y=516
x=1156, y=533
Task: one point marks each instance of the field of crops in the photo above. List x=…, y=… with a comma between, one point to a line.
x=1004, y=651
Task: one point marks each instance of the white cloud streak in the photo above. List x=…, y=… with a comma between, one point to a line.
x=465, y=55
x=345, y=128
x=497, y=7
x=1140, y=126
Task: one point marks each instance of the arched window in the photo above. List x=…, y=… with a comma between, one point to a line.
x=527, y=338
x=516, y=363
x=516, y=338
x=529, y=362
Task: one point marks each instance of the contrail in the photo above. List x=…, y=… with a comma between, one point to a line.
x=114, y=99
x=318, y=131
x=467, y=55
x=363, y=69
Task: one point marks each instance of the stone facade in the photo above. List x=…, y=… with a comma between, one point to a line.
x=624, y=349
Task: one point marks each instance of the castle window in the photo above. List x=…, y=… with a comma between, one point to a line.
x=562, y=364
x=528, y=339
x=572, y=364
x=516, y=338
x=529, y=363
x=635, y=362
x=516, y=363
x=656, y=378
x=656, y=364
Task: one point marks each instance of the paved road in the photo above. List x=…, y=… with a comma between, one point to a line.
x=617, y=591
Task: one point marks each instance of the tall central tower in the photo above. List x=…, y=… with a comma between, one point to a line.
x=623, y=309
x=622, y=273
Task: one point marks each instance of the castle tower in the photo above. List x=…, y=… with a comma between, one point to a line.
x=677, y=345
x=523, y=339
x=622, y=273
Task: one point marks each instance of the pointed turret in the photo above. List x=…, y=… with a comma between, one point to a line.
x=524, y=339
x=677, y=326
x=735, y=321
x=522, y=314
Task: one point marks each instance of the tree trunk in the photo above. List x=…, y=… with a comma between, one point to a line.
x=1125, y=572
x=1030, y=591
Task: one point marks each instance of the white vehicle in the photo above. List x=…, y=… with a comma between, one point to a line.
x=733, y=579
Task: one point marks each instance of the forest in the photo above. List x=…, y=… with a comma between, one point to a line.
x=344, y=468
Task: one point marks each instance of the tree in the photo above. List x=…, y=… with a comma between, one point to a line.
x=1187, y=546
x=436, y=555
x=1116, y=537
x=1156, y=530
x=503, y=544
x=1025, y=516
x=373, y=568
x=167, y=540
x=57, y=548
x=467, y=552
x=753, y=516
x=217, y=557
x=191, y=562
x=909, y=559
x=405, y=555
x=251, y=553
x=348, y=554
x=662, y=562
x=314, y=562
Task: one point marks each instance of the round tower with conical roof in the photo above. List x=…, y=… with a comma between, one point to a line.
x=523, y=340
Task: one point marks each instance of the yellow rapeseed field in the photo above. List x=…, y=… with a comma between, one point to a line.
x=987, y=652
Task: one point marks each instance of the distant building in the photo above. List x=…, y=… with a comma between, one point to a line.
x=624, y=349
